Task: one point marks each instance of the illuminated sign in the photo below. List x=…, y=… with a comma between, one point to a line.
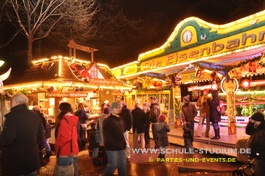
x=61, y=94
x=255, y=36
x=195, y=40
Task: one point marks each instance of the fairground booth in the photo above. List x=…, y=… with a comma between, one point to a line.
x=199, y=55
x=50, y=81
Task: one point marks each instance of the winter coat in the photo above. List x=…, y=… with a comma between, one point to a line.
x=92, y=139
x=162, y=130
x=189, y=112
x=46, y=125
x=257, y=140
x=67, y=133
x=187, y=133
x=81, y=114
x=204, y=106
x=113, y=129
x=138, y=120
x=127, y=117
x=147, y=120
x=215, y=116
x=99, y=125
x=18, y=141
x=154, y=112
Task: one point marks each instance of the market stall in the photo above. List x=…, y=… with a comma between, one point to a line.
x=50, y=81
x=206, y=54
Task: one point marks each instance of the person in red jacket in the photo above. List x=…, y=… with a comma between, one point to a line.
x=66, y=144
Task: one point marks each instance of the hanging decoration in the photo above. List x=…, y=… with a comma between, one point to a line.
x=228, y=68
x=178, y=78
x=81, y=71
x=235, y=74
x=252, y=66
x=215, y=76
x=199, y=72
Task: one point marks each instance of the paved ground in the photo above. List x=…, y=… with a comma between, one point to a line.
x=146, y=164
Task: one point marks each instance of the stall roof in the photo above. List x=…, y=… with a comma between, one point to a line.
x=60, y=69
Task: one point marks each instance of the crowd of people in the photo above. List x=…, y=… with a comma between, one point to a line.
x=25, y=137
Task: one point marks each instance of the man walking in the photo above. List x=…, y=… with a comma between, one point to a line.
x=113, y=129
x=127, y=118
x=189, y=112
x=18, y=141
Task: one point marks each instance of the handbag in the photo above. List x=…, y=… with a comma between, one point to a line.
x=245, y=170
x=64, y=170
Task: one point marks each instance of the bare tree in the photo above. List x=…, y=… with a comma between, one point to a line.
x=36, y=19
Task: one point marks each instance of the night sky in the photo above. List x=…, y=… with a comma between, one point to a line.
x=158, y=19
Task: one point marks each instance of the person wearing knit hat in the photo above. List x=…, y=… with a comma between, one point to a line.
x=259, y=117
x=186, y=99
x=115, y=144
x=153, y=116
x=189, y=112
x=162, y=129
x=256, y=128
x=114, y=105
x=162, y=118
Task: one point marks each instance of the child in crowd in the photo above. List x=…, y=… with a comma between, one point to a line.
x=93, y=143
x=162, y=130
x=187, y=135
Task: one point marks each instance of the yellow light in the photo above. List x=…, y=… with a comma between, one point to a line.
x=60, y=67
x=54, y=57
x=125, y=65
x=19, y=86
x=40, y=60
x=103, y=65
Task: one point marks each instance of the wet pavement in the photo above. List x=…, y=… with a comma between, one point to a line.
x=146, y=164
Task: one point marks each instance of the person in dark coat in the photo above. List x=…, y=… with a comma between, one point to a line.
x=256, y=128
x=187, y=135
x=153, y=116
x=115, y=144
x=138, y=125
x=82, y=125
x=215, y=115
x=93, y=143
x=162, y=129
x=126, y=116
x=189, y=112
x=147, y=125
x=18, y=141
x=47, y=130
x=204, y=114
